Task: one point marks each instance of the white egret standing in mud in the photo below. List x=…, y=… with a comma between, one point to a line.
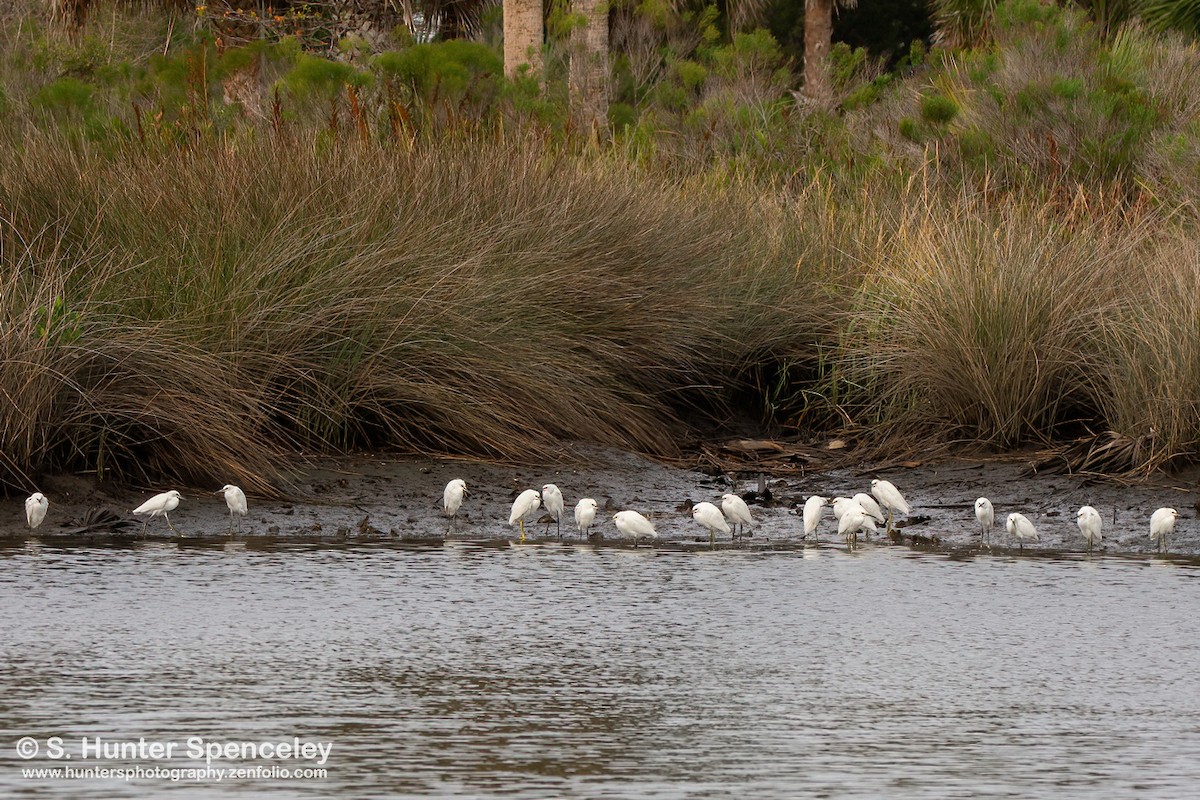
x=1162, y=522
x=890, y=498
x=36, y=506
x=852, y=520
x=812, y=513
x=235, y=498
x=631, y=523
x=158, y=505
x=870, y=507
x=452, y=497
x=736, y=511
x=1020, y=526
x=986, y=516
x=552, y=499
x=526, y=503
x=585, y=515
x=1090, y=524
x=711, y=518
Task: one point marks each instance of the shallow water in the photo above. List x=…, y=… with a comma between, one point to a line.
x=564, y=671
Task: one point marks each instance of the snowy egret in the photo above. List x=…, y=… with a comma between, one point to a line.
x=890, y=498
x=842, y=504
x=452, y=497
x=235, y=498
x=585, y=515
x=736, y=511
x=1162, y=522
x=1089, y=525
x=812, y=512
x=631, y=523
x=526, y=503
x=870, y=506
x=986, y=516
x=854, y=519
x=552, y=499
x=711, y=518
x=159, y=504
x=36, y=506
x=1020, y=526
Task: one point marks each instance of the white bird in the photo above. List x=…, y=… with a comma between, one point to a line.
x=1090, y=524
x=986, y=516
x=526, y=503
x=812, y=512
x=1020, y=526
x=36, y=506
x=711, y=518
x=631, y=523
x=235, y=498
x=870, y=506
x=452, y=497
x=840, y=504
x=552, y=499
x=1162, y=522
x=890, y=498
x=852, y=521
x=159, y=504
x=585, y=515
x=736, y=511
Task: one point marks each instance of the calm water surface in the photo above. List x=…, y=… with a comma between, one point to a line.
x=540, y=672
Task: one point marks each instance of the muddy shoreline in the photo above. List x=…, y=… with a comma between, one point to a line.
x=392, y=499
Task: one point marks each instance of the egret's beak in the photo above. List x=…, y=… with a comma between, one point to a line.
x=218, y=491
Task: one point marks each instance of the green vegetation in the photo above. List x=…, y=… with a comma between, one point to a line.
x=217, y=258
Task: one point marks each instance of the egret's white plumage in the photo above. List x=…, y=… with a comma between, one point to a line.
x=36, y=506
x=869, y=505
x=552, y=499
x=631, y=523
x=1019, y=526
x=1162, y=522
x=853, y=520
x=158, y=505
x=843, y=504
x=235, y=498
x=712, y=518
x=812, y=512
x=585, y=514
x=736, y=511
x=452, y=497
x=986, y=515
x=1090, y=524
x=526, y=503
x=890, y=498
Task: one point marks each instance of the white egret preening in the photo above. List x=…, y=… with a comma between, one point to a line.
x=526, y=503
x=852, y=521
x=158, y=505
x=870, y=506
x=986, y=515
x=736, y=511
x=585, y=515
x=452, y=497
x=812, y=513
x=631, y=523
x=1162, y=522
x=235, y=498
x=890, y=498
x=712, y=518
x=1020, y=526
x=1090, y=524
x=552, y=499
x=36, y=506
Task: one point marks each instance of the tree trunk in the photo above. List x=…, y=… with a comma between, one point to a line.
x=522, y=35
x=589, y=65
x=818, y=34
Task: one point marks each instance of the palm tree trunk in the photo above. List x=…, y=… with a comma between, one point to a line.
x=522, y=35
x=818, y=34
x=589, y=65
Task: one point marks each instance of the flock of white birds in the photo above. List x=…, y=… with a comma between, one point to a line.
x=862, y=512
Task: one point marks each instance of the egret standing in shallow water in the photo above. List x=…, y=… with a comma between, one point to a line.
x=870, y=506
x=585, y=515
x=36, y=506
x=452, y=497
x=736, y=511
x=526, y=503
x=890, y=498
x=711, y=518
x=1020, y=527
x=552, y=499
x=986, y=516
x=1162, y=522
x=631, y=523
x=853, y=519
x=235, y=498
x=812, y=513
x=1090, y=524
x=158, y=505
